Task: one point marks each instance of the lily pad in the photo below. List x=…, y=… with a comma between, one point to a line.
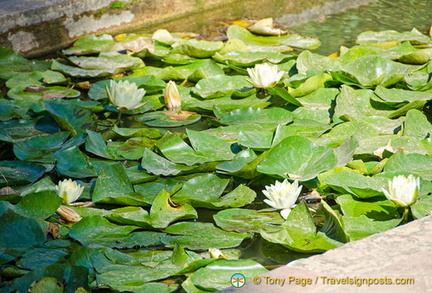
x=217, y=276
x=40, y=148
x=411, y=163
x=164, y=211
x=246, y=221
x=96, y=231
x=267, y=117
x=201, y=236
x=20, y=172
x=370, y=71
x=222, y=86
x=299, y=233
x=163, y=119
x=197, y=48
x=356, y=184
x=97, y=66
x=298, y=158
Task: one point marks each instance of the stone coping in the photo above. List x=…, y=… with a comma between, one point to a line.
x=402, y=254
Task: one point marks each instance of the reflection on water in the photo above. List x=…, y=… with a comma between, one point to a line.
x=343, y=28
x=334, y=22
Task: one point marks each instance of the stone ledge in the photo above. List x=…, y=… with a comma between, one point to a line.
x=35, y=27
x=402, y=252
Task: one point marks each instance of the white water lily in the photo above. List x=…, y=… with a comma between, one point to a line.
x=69, y=190
x=172, y=97
x=125, y=95
x=264, y=75
x=403, y=191
x=282, y=196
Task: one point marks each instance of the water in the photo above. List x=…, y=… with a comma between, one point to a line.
x=342, y=28
x=334, y=22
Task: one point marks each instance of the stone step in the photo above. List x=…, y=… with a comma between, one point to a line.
x=373, y=264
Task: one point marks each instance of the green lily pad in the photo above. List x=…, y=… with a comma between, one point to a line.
x=201, y=236
x=47, y=284
x=267, y=117
x=40, y=148
x=308, y=61
x=97, y=66
x=371, y=71
x=357, y=104
x=90, y=44
x=362, y=226
x=417, y=125
x=134, y=216
x=96, y=231
x=299, y=233
x=356, y=184
x=71, y=162
x=20, y=172
x=71, y=118
x=246, y=221
x=298, y=158
x=17, y=231
x=400, y=96
x=201, y=190
x=222, y=86
x=197, y=48
x=217, y=275
x=12, y=64
x=371, y=37
x=226, y=104
x=38, y=205
x=22, y=129
x=164, y=211
x=283, y=43
x=113, y=186
x=211, y=197
x=162, y=119
x=411, y=163
x=249, y=59
x=422, y=207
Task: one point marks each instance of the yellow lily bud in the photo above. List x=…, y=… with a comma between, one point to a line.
x=172, y=97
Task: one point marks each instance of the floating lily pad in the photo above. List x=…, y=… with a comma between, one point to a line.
x=222, y=86
x=20, y=172
x=197, y=236
x=370, y=37
x=197, y=48
x=97, y=66
x=246, y=221
x=40, y=148
x=356, y=184
x=299, y=233
x=371, y=71
x=12, y=64
x=164, y=211
x=163, y=119
x=297, y=157
x=217, y=276
x=266, y=117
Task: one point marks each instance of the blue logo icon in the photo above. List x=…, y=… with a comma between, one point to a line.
x=238, y=280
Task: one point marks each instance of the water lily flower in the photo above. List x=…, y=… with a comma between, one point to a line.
x=264, y=75
x=403, y=191
x=69, y=190
x=216, y=253
x=68, y=214
x=172, y=97
x=282, y=196
x=125, y=95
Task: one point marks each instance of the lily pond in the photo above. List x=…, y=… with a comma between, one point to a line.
x=161, y=162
